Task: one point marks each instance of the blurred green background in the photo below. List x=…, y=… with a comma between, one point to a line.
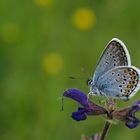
x=42, y=43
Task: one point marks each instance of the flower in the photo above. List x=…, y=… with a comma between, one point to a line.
x=127, y=115
x=84, y=18
x=89, y=108
x=52, y=63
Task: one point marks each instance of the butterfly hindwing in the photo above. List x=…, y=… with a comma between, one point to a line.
x=121, y=82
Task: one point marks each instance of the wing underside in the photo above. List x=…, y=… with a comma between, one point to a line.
x=121, y=82
x=115, y=54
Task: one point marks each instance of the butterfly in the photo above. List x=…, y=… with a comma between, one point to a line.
x=114, y=76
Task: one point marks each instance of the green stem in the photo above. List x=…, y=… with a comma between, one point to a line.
x=105, y=130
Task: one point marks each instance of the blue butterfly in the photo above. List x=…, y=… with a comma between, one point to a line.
x=114, y=76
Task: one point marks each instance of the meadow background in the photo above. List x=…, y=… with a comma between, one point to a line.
x=42, y=43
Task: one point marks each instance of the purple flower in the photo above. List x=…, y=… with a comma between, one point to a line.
x=127, y=115
x=88, y=107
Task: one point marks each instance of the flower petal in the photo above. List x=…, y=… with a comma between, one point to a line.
x=79, y=115
x=137, y=103
x=128, y=115
x=134, y=109
x=78, y=96
x=89, y=108
x=132, y=124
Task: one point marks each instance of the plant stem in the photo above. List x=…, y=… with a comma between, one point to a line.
x=104, y=132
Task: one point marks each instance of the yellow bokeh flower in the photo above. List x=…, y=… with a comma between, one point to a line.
x=84, y=18
x=44, y=3
x=11, y=33
x=52, y=63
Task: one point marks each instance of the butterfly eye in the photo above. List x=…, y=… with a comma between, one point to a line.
x=89, y=82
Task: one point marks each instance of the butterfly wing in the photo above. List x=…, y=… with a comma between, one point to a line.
x=115, y=54
x=121, y=82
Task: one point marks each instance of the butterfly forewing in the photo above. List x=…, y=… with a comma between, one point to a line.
x=120, y=82
x=115, y=54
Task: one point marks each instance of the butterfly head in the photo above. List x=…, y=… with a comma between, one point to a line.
x=93, y=90
x=89, y=82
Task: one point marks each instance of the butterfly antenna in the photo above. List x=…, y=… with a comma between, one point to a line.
x=72, y=77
